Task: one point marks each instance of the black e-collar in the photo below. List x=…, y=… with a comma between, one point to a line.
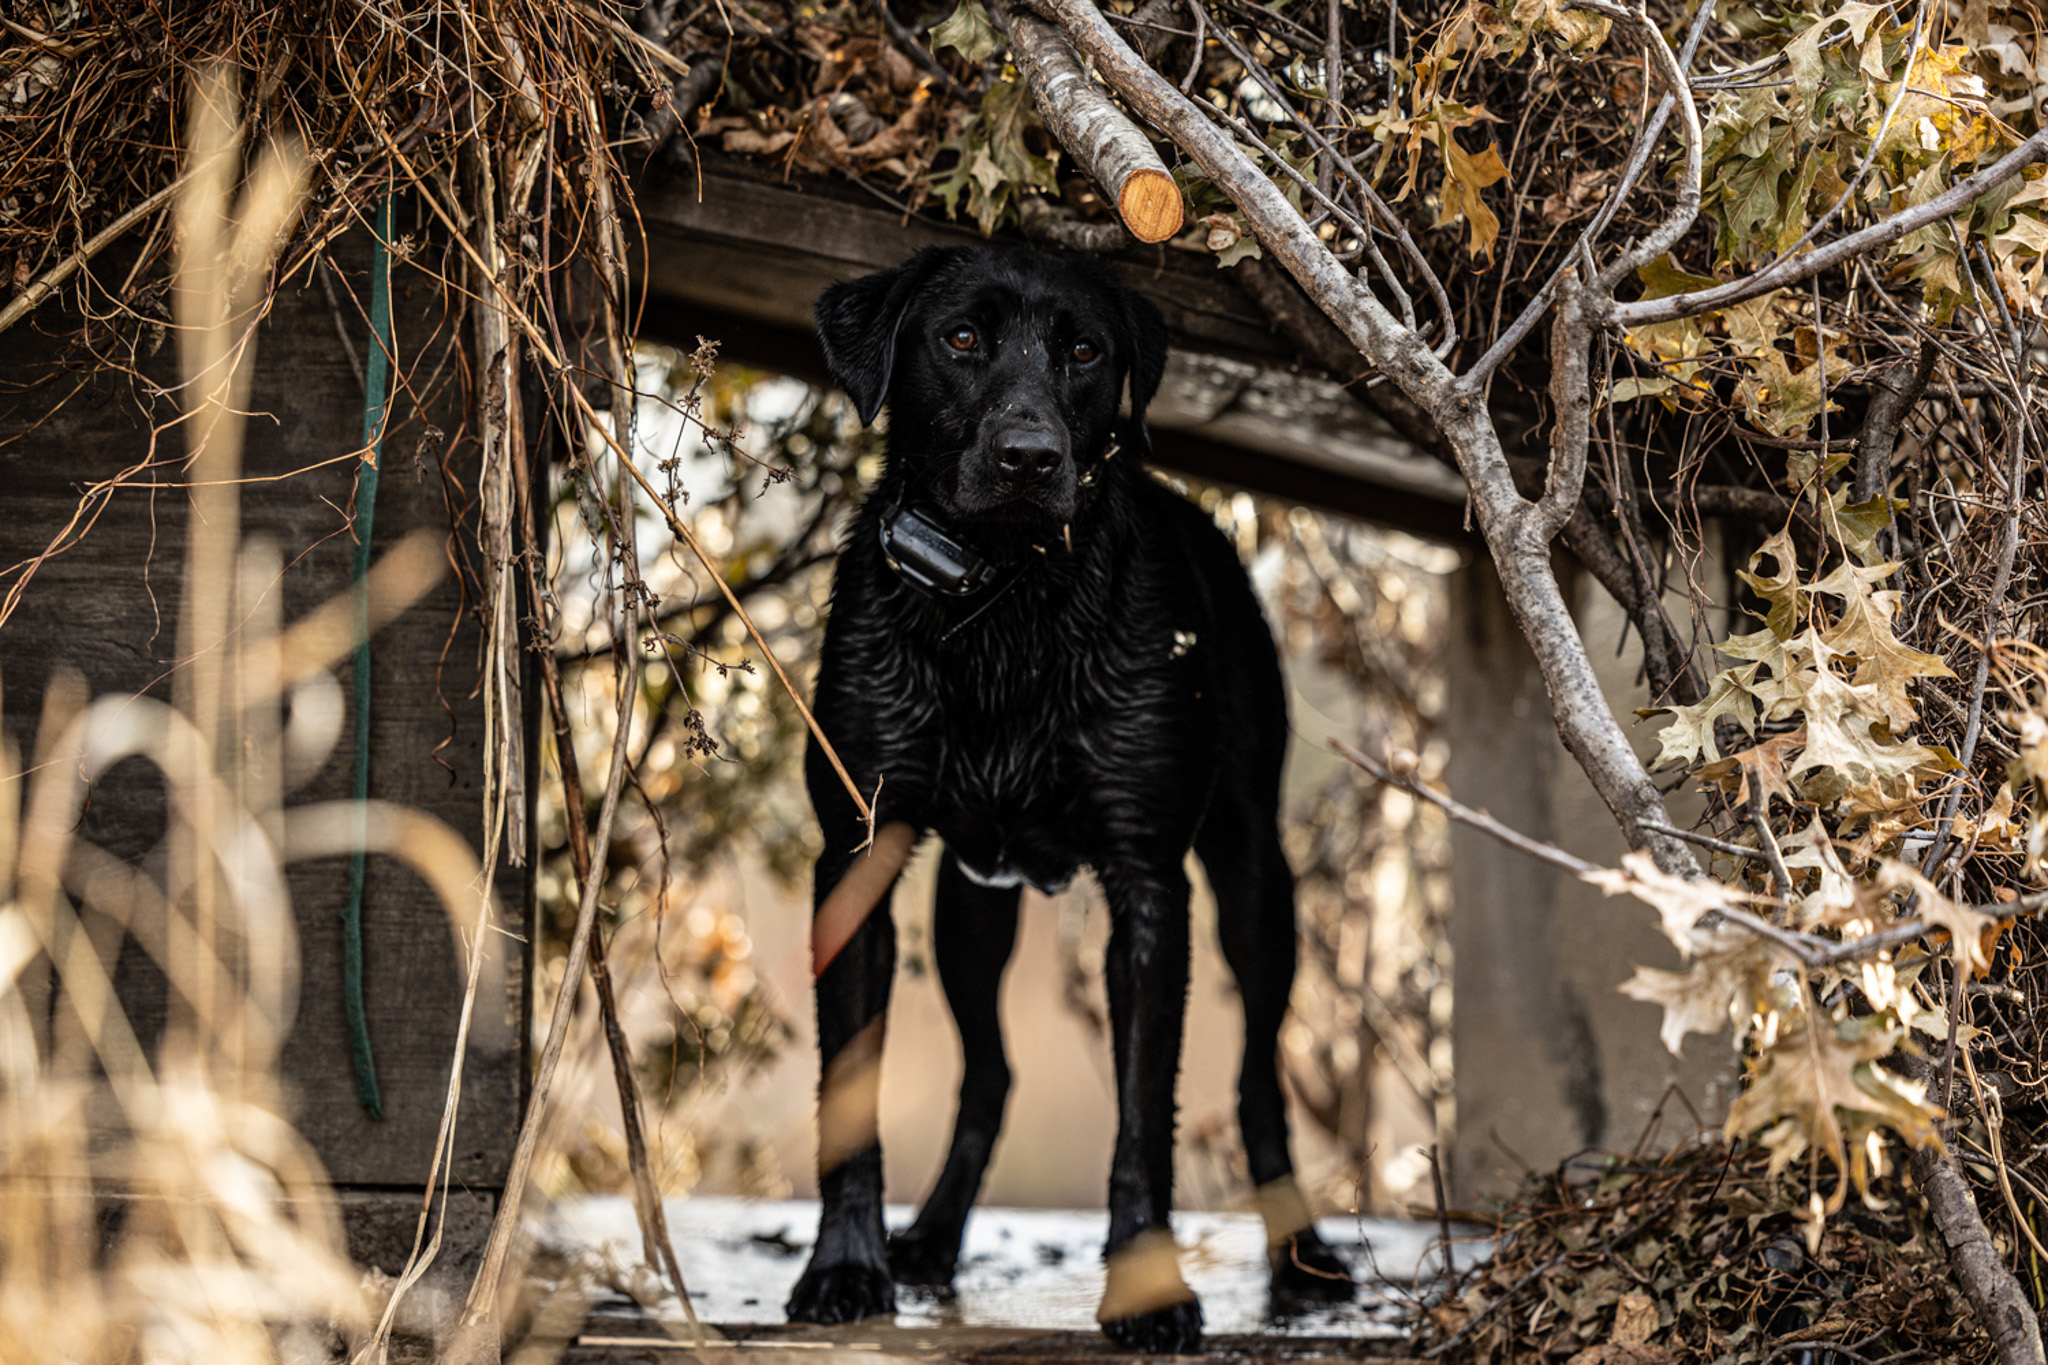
x=938, y=561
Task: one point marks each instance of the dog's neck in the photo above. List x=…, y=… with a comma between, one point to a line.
x=942, y=558
x=975, y=567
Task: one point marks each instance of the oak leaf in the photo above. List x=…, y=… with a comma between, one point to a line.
x=1759, y=768
x=1968, y=945
x=1832, y=901
x=1818, y=1085
x=1863, y=630
x=1690, y=735
x=1678, y=901
x=1780, y=589
x=1726, y=983
x=968, y=30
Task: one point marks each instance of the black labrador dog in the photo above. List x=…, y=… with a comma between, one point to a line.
x=1047, y=658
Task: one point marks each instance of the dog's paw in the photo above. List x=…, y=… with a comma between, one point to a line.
x=922, y=1259
x=842, y=1291
x=1170, y=1331
x=1306, y=1270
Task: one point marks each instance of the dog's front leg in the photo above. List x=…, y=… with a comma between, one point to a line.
x=854, y=948
x=1146, y=1305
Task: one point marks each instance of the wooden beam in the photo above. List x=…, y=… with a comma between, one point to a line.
x=740, y=254
x=762, y=247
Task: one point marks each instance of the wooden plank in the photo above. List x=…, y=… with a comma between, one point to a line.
x=108, y=609
x=765, y=248
x=615, y=1336
x=740, y=257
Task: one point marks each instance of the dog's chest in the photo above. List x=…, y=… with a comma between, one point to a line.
x=1038, y=750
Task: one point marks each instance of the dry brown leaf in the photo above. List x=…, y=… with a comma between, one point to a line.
x=1814, y=1088
x=1635, y=1319
x=1864, y=631
x=1725, y=985
x=1965, y=927
x=1679, y=903
x=1832, y=902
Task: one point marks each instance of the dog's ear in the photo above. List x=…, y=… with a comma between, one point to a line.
x=1146, y=326
x=857, y=325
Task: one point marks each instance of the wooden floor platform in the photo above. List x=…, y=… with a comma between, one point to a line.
x=1028, y=1283
x=621, y=1335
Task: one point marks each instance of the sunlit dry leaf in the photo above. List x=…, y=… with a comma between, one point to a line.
x=1679, y=903
x=1813, y=1087
x=1726, y=984
x=1863, y=631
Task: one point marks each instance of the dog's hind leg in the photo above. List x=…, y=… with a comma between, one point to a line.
x=1240, y=851
x=974, y=931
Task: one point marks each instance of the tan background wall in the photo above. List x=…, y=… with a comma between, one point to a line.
x=1550, y=1058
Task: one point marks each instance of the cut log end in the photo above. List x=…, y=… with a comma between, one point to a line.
x=1150, y=205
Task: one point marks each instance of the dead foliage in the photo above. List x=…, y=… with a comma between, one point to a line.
x=1697, y=1256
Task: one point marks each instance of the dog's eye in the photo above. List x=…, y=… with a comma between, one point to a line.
x=1085, y=351
x=962, y=338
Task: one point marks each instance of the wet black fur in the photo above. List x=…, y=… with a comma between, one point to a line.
x=1117, y=705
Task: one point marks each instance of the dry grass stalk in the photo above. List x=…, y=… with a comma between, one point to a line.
x=229, y=1246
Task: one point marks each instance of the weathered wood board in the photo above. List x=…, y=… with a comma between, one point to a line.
x=763, y=247
x=107, y=608
x=739, y=254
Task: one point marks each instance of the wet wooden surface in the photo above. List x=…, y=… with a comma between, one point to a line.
x=614, y=1337
x=1028, y=1284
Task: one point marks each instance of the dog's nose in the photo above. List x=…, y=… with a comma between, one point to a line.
x=1027, y=455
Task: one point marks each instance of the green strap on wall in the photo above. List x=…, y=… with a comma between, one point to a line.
x=377, y=379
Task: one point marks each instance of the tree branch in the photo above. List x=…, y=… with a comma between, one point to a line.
x=2000, y=1303
x=1571, y=399
x=1895, y=392
x=1318, y=341
x=1109, y=147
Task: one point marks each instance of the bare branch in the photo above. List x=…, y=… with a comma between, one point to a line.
x=1109, y=147
x=2001, y=1305
x=1385, y=342
x=1897, y=390
x=1466, y=815
x=1571, y=397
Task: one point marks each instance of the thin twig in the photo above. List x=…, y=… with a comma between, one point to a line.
x=1466, y=815
x=51, y=280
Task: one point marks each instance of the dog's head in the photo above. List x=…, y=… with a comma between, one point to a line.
x=1004, y=370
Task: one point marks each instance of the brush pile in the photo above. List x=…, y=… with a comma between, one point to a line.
x=1696, y=1256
